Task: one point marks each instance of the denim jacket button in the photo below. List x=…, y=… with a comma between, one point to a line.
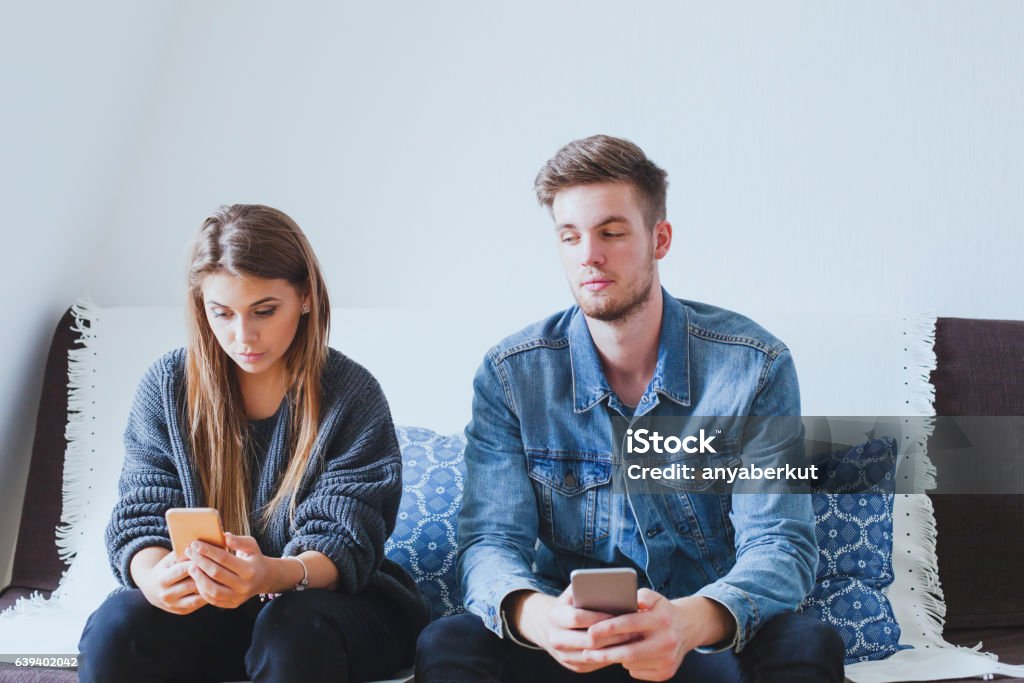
x=653, y=531
x=570, y=479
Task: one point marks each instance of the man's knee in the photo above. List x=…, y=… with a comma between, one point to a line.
x=803, y=632
x=803, y=643
x=454, y=636
x=827, y=640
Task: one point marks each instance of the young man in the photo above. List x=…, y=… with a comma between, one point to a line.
x=721, y=574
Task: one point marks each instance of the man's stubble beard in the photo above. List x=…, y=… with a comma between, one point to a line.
x=620, y=312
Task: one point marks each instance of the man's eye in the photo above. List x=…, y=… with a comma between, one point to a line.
x=613, y=234
x=566, y=239
x=266, y=312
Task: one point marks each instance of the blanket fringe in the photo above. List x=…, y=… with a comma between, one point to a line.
x=77, y=457
x=81, y=412
x=920, y=565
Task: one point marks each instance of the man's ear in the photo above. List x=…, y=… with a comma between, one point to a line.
x=662, y=239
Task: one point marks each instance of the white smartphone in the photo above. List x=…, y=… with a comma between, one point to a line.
x=612, y=591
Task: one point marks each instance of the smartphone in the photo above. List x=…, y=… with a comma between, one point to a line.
x=194, y=524
x=612, y=591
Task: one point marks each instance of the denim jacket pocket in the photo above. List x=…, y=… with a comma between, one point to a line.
x=574, y=497
x=695, y=465
x=701, y=510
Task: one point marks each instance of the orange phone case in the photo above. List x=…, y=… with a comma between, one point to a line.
x=194, y=524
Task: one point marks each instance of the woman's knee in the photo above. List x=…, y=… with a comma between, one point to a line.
x=296, y=624
x=107, y=645
x=117, y=621
x=294, y=613
x=296, y=638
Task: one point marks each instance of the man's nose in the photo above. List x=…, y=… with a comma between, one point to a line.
x=591, y=251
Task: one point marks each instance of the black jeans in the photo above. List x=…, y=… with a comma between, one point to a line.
x=791, y=648
x=312, y=635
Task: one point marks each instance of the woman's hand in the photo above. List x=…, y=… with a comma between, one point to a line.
x=226, y=579
x=166, y=583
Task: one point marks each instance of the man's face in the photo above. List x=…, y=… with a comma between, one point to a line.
x=608, y=252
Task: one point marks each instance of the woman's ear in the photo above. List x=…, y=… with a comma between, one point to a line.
x=304, y=294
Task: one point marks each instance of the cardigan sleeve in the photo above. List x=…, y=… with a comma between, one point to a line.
x=351, y=506
x=149, y=484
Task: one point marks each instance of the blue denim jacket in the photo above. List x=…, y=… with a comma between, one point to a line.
x=538, y=501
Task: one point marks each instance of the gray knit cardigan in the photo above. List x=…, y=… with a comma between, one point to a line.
x=347, y=501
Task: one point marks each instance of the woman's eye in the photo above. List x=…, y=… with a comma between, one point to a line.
x=266, y=312
x=220, y=314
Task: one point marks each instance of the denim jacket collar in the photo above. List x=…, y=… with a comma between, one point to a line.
x=671, y=375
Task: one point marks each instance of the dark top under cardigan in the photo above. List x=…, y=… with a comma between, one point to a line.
x=347, y=501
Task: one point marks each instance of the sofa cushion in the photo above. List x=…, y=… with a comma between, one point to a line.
x=854, y=533
x=423, y=541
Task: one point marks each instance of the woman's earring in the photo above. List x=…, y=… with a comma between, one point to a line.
x=305, y=308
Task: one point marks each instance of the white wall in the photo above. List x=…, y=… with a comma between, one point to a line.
x=75, y=77
x=822, y=156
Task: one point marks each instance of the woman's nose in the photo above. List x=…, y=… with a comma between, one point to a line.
x=246, y=331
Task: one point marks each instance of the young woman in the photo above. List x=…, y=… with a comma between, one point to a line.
x=293, y=443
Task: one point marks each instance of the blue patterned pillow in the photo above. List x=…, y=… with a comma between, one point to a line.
x=854, y=533
x=433, y=471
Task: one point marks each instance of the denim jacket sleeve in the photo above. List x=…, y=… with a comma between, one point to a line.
x=497, y=524
x=776, y=550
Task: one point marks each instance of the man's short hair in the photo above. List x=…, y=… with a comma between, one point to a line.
x=605, y=159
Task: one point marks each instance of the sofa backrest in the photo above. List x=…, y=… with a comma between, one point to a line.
x=36, y=564
x=980, y=372
x=425, y=362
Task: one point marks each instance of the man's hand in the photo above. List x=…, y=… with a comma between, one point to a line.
x=226, y=579
x=166, y=584
x=665, y=632
x=561, y=629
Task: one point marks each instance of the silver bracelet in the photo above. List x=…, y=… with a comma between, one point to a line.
x=301, y=585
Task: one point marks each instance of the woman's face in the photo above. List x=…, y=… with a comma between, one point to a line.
x=254, y=319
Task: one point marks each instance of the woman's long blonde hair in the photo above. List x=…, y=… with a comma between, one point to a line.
x=251, y=240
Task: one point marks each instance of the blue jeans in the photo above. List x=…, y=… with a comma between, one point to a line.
x=312, y=635
x=789, y=648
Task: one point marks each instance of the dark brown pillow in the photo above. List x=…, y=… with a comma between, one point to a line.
x=980, y=372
